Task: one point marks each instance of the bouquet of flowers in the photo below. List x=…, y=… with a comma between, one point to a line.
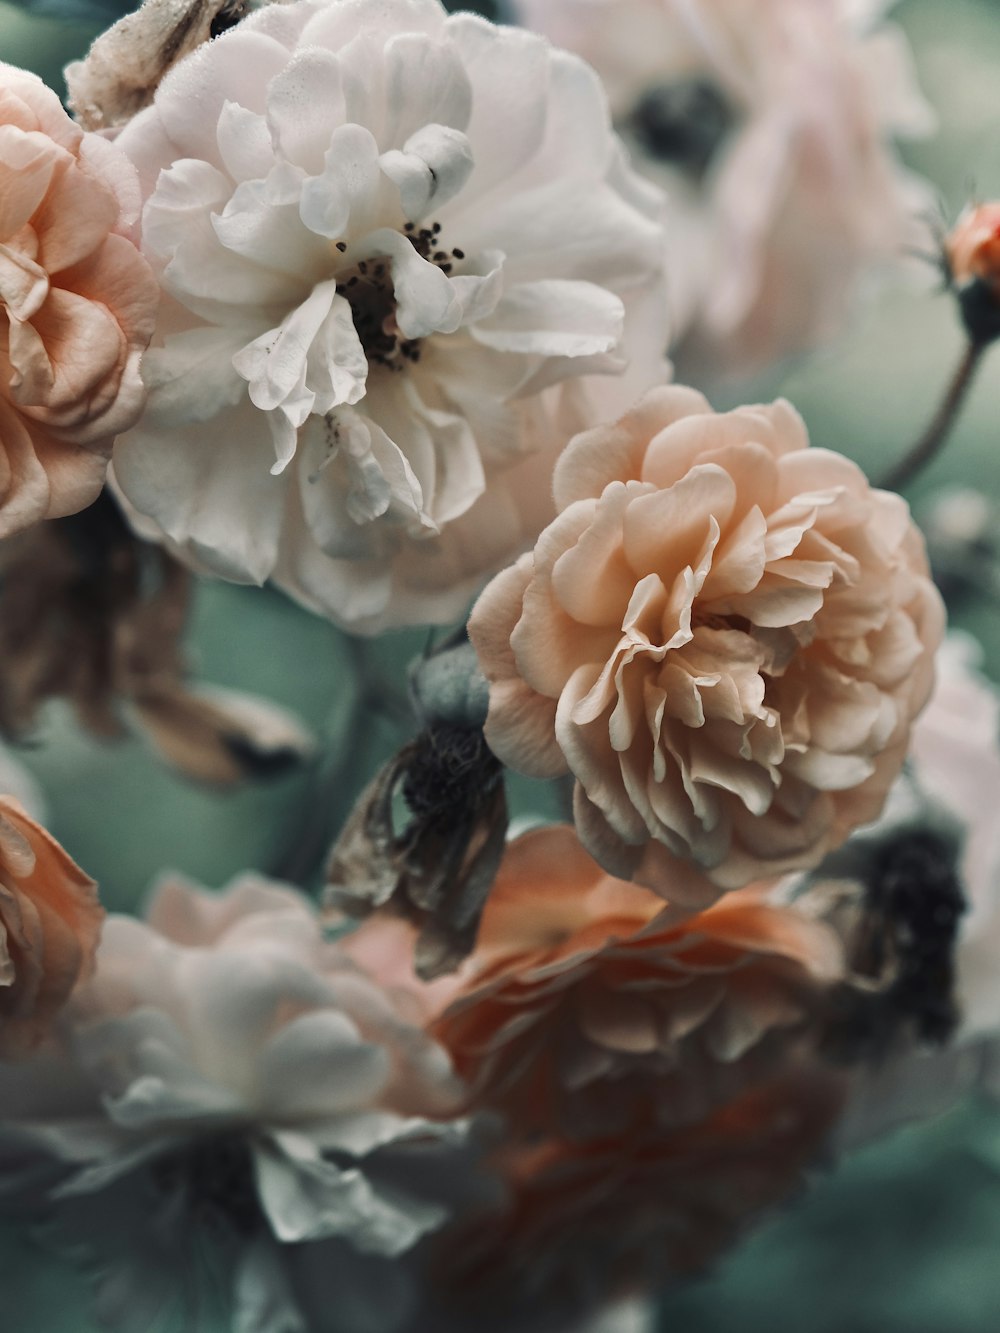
x=656, y=864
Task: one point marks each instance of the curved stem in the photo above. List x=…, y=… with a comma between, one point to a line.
x=903, y=472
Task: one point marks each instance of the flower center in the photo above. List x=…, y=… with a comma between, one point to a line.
x=215, y=1177
x=369, y=290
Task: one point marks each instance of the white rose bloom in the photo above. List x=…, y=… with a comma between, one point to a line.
x=230, y=1071
x=402, y=255
x=769, y=122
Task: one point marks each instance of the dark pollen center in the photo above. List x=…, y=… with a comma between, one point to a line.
x=369, y=289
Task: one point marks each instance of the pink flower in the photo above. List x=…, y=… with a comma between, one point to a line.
x=50, y=921
x=770, y=124
x=77, y=305
x=724, y=636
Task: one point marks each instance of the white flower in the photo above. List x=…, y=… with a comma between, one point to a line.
x=770, y=125
x=229, y=1069
x=401, y=253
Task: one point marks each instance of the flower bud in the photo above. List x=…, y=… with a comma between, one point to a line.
x=972, y=257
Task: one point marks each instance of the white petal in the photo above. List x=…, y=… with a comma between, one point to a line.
x=554, y=318
x=191, y=378
x=303, y=102
x=244, y=143
x=426, y=84
x=343, y=197
x=318, y=1065
x=315, y=1200
x=432, y=167
x=425, y=301
x=263, y=1302
x=261, y=222
x=210, y=490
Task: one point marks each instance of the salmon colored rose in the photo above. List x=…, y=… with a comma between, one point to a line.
x=724, y=636
x=590, y=1221
x=77, y=305
x=50, y=921
x=587, y=1010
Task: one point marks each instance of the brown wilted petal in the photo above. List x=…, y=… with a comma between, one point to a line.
x=437, y=869
x=125, y=65
x=91, y=614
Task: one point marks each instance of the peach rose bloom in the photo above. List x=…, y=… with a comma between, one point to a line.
x=50, y=921
x=724, y=636
x=77, y=305
x=587, y=1009
x=612, y=1216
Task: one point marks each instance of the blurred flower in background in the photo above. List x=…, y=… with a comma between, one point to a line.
x=230, y=1080
x=771, y=126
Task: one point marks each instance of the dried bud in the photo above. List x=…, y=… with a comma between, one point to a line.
x=438, y=868
x=900, y=927
x=91, y=614
x=972, y=258
x=449, y=686
x=125, y=65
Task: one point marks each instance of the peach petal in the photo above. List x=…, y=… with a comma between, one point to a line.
x=51, y=921
x=688, y=441
x=594, y=458
x=666, y=530
x=776, y=641
x=70, y=361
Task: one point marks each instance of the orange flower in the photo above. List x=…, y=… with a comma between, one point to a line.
x=972, y=248
x=592, y=1221
x=77, y=305
x=588, y=1010
x=50, y=921
x=724, y=636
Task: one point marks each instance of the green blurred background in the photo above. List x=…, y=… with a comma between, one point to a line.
x=902, y=1236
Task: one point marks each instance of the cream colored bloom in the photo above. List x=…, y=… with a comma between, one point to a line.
x=77, y=305
x=724, y=636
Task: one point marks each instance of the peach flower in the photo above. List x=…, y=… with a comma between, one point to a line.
x=588, y=1009
x=50, y=921
x=77, y=305
x=724, y=636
